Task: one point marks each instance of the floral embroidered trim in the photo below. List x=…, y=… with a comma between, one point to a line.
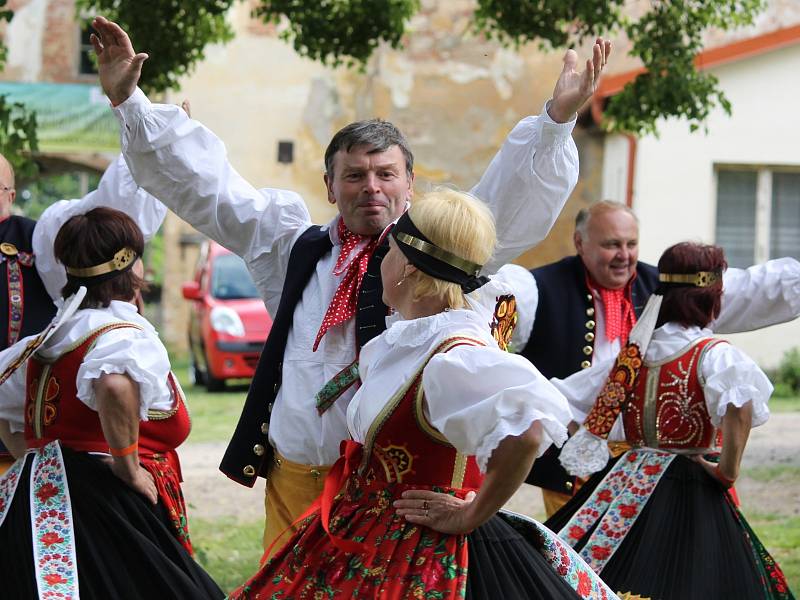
x=615, y=504
x=336, y=386
x=569, y=567
x=615, y=393
x=504, y=320
x=8, y=486
x=15, y=300
x=52, y=526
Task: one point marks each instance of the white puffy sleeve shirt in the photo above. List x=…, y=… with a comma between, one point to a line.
x=475, y=395
x=730, y=378
x=136, y=352
x=117, y=190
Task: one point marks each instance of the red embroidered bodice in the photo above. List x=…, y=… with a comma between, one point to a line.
x=54, y=412
x=403, y=447
x=668, y=409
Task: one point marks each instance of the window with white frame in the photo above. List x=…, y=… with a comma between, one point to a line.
x=758, y=213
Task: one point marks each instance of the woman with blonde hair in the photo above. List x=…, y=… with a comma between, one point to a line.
x=444, y=428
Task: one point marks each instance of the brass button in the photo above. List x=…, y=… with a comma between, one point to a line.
x=269, y=408
x=568, y=485
x=249, y=471
x=265, y=428
x=589, y=324
x=587, y=350
x=8, y=249
x=589, y=337
x=588, y=297
x=258, y=450
x=278, y=462
x=315, y=473
x=585, y=364
x=589, y=312
x=275, y=387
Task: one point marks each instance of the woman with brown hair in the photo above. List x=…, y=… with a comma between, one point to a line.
x=93, y=507
x=662, y=522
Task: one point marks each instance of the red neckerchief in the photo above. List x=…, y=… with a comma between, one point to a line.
x=345, y=300
x=617, y=309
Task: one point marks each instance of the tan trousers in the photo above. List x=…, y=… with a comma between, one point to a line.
x=291, y=488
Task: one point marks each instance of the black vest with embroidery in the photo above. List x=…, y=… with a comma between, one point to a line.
x=35, y=305
x=562, y=340
x=249, y=453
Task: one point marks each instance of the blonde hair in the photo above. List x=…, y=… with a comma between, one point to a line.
x=459, y=223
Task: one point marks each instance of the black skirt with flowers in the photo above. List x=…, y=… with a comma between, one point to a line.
x=688, y=542
x=122, y=545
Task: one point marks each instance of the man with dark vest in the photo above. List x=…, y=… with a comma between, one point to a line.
x=588, y=303
x=322, y=284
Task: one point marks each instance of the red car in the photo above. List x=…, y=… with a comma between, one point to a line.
x=229, y=322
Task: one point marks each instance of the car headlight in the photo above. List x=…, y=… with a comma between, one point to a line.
x=225, y=320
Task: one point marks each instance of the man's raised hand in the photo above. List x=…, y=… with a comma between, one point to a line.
x=118, y=64
x=574, y=88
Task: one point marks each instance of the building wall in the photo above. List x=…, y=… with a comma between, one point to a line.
x=674, y=186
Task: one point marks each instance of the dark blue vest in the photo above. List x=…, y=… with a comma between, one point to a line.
x=562, y=340
x=249, y=453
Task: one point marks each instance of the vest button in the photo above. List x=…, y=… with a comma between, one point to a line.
x=265, y=428
x=589, y=337
x=315, y=473
x=588, y=297
x=269, y=408
x=585, y=364
x=590, y=312
x=568, y=485
x=249, y=471
x=258, y=450
x=587, y=350
x=275, y=387
x=589, y=324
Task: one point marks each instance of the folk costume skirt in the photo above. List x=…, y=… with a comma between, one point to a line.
x=70, y=527
x=370, y=552
x=685, y=539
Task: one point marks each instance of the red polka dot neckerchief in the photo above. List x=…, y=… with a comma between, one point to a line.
x=617, y=310
x=345, y=301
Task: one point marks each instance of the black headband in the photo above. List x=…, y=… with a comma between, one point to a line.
x=433, y=260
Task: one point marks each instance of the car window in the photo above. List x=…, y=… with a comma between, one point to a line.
x=230, y=279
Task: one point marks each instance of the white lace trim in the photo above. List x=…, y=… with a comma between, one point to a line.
x=415, y=332
x=584, y=454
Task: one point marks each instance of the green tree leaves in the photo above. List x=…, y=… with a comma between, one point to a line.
x=174, y=33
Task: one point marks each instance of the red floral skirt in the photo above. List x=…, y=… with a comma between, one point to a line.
x=400, y=560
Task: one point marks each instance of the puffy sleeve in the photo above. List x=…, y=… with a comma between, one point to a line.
x=12, y=392
x=133, y=352
x=184, y=164
x=527, y=184
x=582, y=387
x=477, y=396
x=732, y=378
x=762, y=295
x=118, y=190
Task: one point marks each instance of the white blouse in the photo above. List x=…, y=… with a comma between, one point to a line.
x=731, y=377
x=475, y=395
x=138, y=353
x=185, y=165
x=117, y=190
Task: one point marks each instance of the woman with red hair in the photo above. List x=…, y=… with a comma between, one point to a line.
x=662, y=520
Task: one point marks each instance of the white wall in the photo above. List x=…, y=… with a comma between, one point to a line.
x=674, y=185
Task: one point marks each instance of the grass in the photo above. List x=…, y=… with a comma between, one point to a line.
x=230, y=551
x=784, y=404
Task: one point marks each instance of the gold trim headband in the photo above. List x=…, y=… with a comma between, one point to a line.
x=468, y=267
x=122, y=260
x=699, y=279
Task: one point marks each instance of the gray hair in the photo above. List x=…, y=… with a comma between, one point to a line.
x=377, y=134
x=585, y=214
